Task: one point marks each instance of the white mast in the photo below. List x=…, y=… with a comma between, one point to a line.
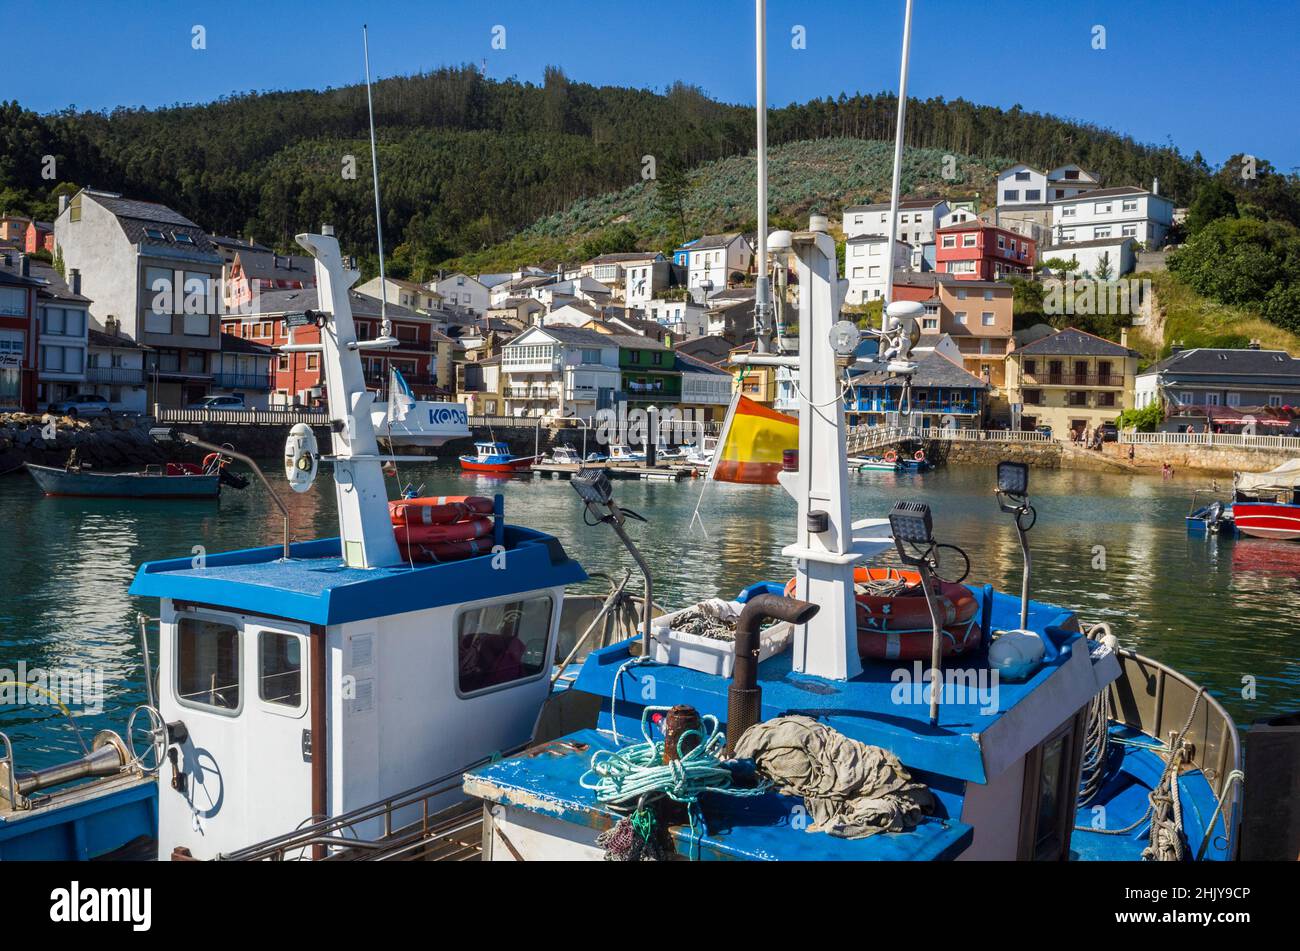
x=364, y=525
x=385, y=328
x=761, y=295
x=898, y=158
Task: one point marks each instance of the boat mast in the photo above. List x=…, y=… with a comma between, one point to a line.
x=761, y=294
x=385, y=328
x=892, y=237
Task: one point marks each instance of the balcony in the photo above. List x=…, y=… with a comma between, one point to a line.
x=956, y=408
x=380, y=378
x=116, y=376
x=1073, y=379
x=258, y=382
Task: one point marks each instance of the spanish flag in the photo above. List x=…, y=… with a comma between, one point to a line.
x=752, y=443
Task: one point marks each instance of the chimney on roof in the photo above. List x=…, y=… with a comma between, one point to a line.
x=1123, y=336
x=74, y=280
x=63, y=203
x=1176, y=348
x=1253, y=345
x=111, y=326
x=24, y=265
x=1155, y=185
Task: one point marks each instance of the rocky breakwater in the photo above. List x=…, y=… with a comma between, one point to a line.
x=114, y=442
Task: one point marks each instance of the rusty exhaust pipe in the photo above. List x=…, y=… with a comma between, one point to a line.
x=744, y=695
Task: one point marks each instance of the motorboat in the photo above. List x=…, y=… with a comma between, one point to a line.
x=495, y=457
x=174, y=480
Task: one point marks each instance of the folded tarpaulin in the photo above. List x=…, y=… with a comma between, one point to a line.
x=1285, y=477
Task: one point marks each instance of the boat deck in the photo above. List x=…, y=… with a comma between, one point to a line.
x=1134, y=766
x=545, y=781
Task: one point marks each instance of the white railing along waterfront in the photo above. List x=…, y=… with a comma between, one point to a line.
x=862, y=438
x=241, y=417
x=1226, y=440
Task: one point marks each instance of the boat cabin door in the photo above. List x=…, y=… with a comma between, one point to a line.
x=239, y=683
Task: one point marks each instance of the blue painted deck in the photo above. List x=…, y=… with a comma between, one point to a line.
x=83, y=829
x=1133, y=771
x=866, y=708
x=315, y=586
x=545, y=781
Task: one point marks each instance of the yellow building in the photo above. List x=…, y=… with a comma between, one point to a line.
x=1071, y=380
x=757, y=383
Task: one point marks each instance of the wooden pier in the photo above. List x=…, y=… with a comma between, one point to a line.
x=618, y=470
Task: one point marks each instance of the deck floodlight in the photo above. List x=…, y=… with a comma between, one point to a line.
x=913, y=525
x=592, y=485
x=1013, y=498
x=1013, y=478
x=162, y=434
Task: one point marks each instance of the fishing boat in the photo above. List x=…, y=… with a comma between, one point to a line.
x=407, y=421
x=175, y=480
x=303, y=711
x=620, y=453
x=495, y=457
x=1267, y=504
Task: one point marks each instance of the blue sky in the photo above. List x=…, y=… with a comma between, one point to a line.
x=1211, y=76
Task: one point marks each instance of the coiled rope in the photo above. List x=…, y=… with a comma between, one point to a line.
x=637, y=774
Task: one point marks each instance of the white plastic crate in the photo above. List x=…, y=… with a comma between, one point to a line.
x=711, y=655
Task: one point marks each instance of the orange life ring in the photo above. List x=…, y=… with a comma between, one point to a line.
x=891, y=456
x=919, y=455
x=898, y=627
x=446, y=551
x=450, y=532
x=438, y=509
x=212, y=457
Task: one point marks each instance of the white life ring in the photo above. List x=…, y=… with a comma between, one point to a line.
x=300, y=457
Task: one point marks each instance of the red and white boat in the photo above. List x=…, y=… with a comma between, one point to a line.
x=1267, y=504
x=495, y=457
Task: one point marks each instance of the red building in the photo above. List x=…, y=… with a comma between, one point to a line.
x=18, y=367
x=977, y=251
x=39, y=236
x=422, y=355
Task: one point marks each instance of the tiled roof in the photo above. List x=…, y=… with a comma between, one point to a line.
x=933, y=369
x=97, y=338
x=136, y=217
x=715, y=241
x=690, y=364
x=1221, y=362
x=906, y=204
x=232, y=344
x=577, y=336
x=1075, y=343
x=56, y=288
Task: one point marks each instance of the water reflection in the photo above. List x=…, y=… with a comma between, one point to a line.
x=1217, y=609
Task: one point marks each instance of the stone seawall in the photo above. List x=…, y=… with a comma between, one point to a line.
x=1039, y=455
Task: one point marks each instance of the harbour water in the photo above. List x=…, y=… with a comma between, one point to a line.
x=1111, y=546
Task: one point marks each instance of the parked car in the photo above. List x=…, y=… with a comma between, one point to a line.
x=1109, y=432
x=83, y=404
x=220, y=402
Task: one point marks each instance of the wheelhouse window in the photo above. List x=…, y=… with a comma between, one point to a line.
x=207, y=664
x=279, y=668
x=502, y=643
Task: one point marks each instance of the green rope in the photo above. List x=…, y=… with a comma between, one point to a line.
x=622, y=777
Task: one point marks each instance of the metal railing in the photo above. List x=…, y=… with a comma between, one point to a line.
x=862, y=438
x=242, y=381
x=1072, y=379
x=115, y=375
x=241, y=417
x=1227, y=440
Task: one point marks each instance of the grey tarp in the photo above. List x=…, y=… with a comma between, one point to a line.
x=1282, y=479
x=851, y=789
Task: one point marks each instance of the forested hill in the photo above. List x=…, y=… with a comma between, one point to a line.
x=466, y=162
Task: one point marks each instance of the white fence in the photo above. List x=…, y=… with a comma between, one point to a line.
x=1225, y=440
x=862, y=438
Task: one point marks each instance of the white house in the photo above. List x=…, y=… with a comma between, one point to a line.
x=1116, y=255
x=1023, y=184
x=706, y=389
x=714, y=258
x=683, y=318
x=1124, y=212
x=573, y=314
x=402, y=293
x=558, y=371
x=867, y=266
x=917, y=219
x=636, y=276
x=63, y=319
x=115, y=369
x=465, y=292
